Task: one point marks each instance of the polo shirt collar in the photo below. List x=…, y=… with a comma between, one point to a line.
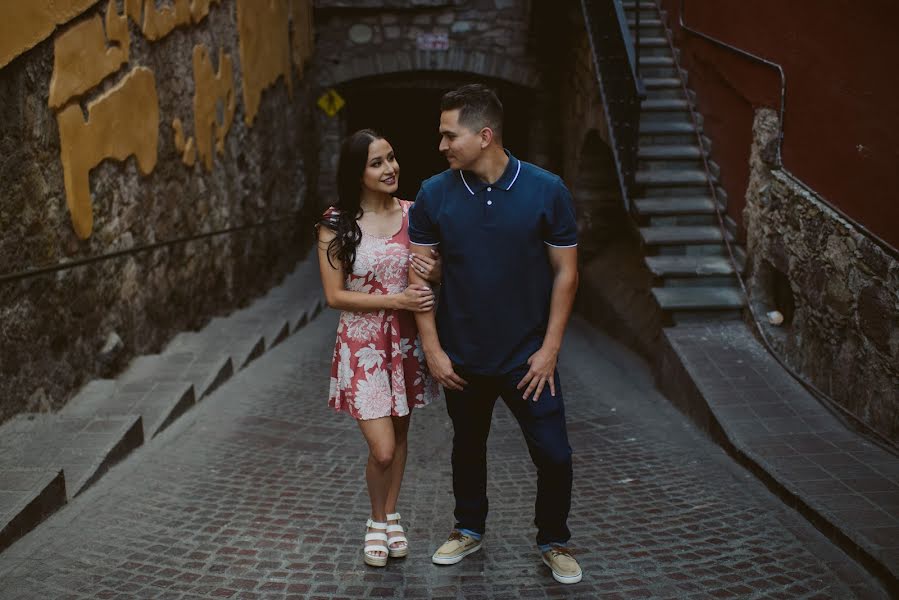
x=505, y=182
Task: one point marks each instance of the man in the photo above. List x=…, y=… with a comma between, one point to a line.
x=507, y=234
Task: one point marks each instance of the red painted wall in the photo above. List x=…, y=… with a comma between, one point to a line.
x=841, y=126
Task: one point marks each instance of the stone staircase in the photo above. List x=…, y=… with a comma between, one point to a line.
x=48, y=459
x=683, y=243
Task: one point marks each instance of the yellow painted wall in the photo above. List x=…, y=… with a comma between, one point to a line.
x=25, y=23
x=124, y=121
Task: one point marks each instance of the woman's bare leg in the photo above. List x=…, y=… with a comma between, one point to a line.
x=400, y=436
x=379, y=433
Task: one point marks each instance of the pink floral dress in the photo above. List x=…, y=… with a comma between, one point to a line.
x=379, y=366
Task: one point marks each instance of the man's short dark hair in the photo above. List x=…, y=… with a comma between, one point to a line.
x=478, y=106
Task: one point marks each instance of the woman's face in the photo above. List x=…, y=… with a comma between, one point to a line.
x=382, y=172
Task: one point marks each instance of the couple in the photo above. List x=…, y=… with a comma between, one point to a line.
x=507, y=275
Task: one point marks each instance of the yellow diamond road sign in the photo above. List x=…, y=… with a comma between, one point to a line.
x=331, y=102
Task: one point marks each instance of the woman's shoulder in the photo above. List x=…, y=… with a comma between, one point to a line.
x=405, y=204
x=330, y=216
x=328, y=223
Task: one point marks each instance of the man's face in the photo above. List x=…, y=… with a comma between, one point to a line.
x=460, y=145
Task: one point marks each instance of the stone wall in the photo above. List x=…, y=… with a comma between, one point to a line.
x=96, y=164
x=432, y=43
x=483, y=37
x=838, y=288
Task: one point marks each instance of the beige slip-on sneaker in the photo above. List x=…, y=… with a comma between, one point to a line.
x=563, y=565
x=455, y=548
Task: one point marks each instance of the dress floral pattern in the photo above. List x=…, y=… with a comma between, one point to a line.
x=379, y=366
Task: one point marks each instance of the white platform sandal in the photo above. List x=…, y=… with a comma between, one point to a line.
x=402, y=550
x=377, y=536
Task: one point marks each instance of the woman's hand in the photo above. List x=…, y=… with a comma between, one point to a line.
x=416, y=298
x=429, y=267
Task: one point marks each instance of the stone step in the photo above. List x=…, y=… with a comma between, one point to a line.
x=307, y=314
x=657, y=61
x=699, y=298
x=687, y=205
x=681, y=235
x=27, y=497
x=158, y=402
x=645, y=72
x=671, y=178
x=84, y=448
x=673, y=93
x=682, y=221
x=669, y=152
x=666, y=116
x=664, y=104
x=689, y=266
x=653, y=42
x=203, y=372
x=221, y=337
x=666, y=128
x=662, y=139
x=632, y=22
x=645, y=7
x=658, y=83
x=678, y=191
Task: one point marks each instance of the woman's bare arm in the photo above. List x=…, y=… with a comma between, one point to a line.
x=414, y=298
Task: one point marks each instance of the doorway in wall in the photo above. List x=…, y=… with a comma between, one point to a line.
x=406, y=110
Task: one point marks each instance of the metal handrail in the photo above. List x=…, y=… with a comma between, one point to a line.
x=80, y=262
x=783, y=78
x=616, y=63
x=631, y=45
x=888, y=248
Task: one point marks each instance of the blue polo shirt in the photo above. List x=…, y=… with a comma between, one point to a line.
x=497, y=280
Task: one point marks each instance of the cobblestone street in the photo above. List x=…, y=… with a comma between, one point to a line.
x=258, y=492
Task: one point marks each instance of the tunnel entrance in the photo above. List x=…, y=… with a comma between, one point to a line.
x=406, y=110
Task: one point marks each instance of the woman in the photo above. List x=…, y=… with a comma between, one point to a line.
x=379, y=372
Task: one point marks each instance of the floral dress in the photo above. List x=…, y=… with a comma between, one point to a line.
x=379, y=366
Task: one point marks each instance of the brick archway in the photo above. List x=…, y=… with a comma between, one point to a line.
x=457, y=60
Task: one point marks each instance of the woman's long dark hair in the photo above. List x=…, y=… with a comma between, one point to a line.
x=342, y=220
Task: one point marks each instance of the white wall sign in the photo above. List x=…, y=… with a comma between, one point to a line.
x=433, y=41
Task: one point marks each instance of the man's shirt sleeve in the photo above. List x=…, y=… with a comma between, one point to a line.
x=423, y=229
x=561, y=224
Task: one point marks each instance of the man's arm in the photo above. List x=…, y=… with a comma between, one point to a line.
x=543, y=362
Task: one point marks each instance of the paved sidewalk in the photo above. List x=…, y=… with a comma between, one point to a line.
x=258, y=492
x=842, y=482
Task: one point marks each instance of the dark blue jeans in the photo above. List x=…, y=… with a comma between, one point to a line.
x=543, y=426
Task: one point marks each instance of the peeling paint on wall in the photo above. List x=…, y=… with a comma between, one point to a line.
x=82, y=58
x=26, y=23
x=157, y=22
x=185, y=146
x=210, y=89
x=122, y=122
x=302, y=38
x=263, y=27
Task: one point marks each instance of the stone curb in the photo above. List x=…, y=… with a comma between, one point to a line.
x=28, y=497
x=694, y=384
